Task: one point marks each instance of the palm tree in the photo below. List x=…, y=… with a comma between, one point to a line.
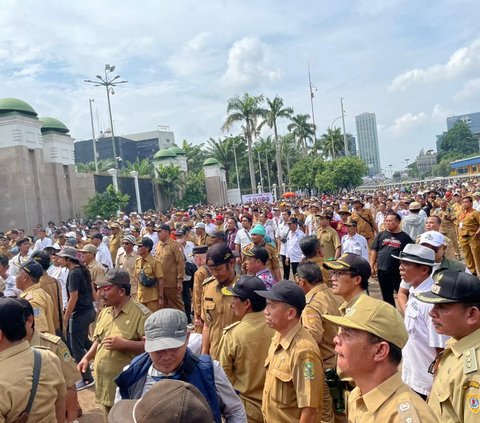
x=195, y=156
x=332, y=143
x=265, y=149
x=246, y=110
x=169, y=179
x=277, y=111
x=144, y=167
x=302, y=131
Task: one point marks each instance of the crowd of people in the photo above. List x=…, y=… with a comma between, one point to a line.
x=250, y=313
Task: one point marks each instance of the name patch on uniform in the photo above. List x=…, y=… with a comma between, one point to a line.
x=473, y=401
x=308, y=370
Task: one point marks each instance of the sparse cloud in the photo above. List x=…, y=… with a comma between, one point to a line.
x=248, y=64
x=462, y=62
x=406, y=122
x=470, y=90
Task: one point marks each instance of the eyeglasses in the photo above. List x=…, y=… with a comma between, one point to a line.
x=126, y=243
x=337, y=273
x=432, y=369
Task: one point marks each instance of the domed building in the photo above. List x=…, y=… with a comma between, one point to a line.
x=215, y=182
x=39, y=181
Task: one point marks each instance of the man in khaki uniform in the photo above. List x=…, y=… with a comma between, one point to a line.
x=366, y=225
x=258, y=234
x=217, y=312
x=126, y=260
x=329, y=239
x=148, y=272
x=58, y=347
x=16, y=368
x=294, y=383
x=200, y=258
x=455, y=395
x=115, y=239
x=469, y=235
x=311, y=249
x=244, y=342
x=118, y=335
x=172, y=259
x=376, y=329
x=447, y=225
x=28, y=279
x=4, y=246
x=202, y=238
x=320, y=300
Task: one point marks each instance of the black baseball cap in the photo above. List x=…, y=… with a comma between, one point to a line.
x=292, y=220
x=163, y=227
x=145, y=242
x=259, y=253
x=114, y=276
x=287, y=292
x=246, y=288
x=200, y=249
x=452, y=287
x=219, y=235
x=352, y=262
x=97, y=235
x=219, y=254
x=33, y=269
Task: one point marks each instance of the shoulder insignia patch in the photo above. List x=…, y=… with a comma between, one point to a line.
x=227, y=328
x=143, y=308
x=51, y=338
x=208, y=280
x=473, y=401
x=470, y=364
x=308, y=370
x=471, y=384
x=406, y=410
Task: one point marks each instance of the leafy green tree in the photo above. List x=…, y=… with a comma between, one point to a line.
x=194, y=190
x=289, y=150
x=443, y=168
x=196, y=155
x=106, y=204
x=144, y=167
x=169, y=181
x=304, y=172
x=303, y=131
x=332, y=144
x=460, y=140
x=103, y=166
x=275, y=111
x=343, y=173
x=248, y=111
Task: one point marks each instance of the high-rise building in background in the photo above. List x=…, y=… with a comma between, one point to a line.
x=352, y=145
x=368, y=141
x=471, y=119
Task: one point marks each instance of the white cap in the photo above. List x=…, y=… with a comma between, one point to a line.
x=200, y=225
x=433, y=238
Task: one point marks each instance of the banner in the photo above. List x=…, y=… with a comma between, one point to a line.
x=264, y=197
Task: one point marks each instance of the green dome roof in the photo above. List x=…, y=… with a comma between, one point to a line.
x=177, y=150
x=15, y=105
x=52, y=124
x=165, y=153
x=211, y=161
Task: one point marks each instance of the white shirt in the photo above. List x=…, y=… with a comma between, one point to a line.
x=15, y=263
x=154, y=237
x=210, y=228
x=294, y=253
x=103, y=256
x=283, y=230
x=476, y=205
x=356, y=244
x=11, y=289
x=61, y=275
x=419, y=352
x=40, y=244
x=243, y=238
x=309, y=223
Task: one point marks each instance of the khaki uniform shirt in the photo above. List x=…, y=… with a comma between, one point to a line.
x=200, y=275
x=273, y=263
x=97, y=271
x=42, y=307
x=457, y=210
x=57, y=346
x=203, y=239
x=217, y=312
x=5, y=251
x=128, y=324
x=390, y=402
x=448, y=219
x=468, y=224
x=172, y=259
x=347, y=304
x=242, y=344
x=114, y=243
x=455, y=395
x=294, y=377
x=321, y=300
x=152, y=269
x=16, y=368
x=365, y=222
x=329, y=240
x=127, y=262
x=53, y=289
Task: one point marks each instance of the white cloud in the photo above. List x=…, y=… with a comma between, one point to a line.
x=406, y=122
x=439, y=113
x=462, y=62
x=248, y=63
x=470, y=90
x=29, y=71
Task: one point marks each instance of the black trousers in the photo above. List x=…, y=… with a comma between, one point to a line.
x=389, y=283
x=286, y=268
x=187, y=298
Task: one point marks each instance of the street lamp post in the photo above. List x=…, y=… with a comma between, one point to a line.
x=94, y=141
x=236, y=166
x=113, y=173
x=268, y=172
x=345, y=143
x=109, y=82
x=134, y=173
x=274, y=186
x=260, y=168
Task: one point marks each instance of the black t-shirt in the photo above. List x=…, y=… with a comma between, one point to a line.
x=78, y=281
x=388, y=243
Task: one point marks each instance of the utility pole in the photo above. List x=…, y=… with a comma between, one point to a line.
x=94, y=141
x=312, y=88
x=345, y=142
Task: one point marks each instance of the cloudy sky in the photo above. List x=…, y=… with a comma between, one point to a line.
x=411, y=62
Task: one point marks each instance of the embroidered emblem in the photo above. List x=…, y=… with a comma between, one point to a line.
x=470, y=384
x=308, y=371
x=473, y=403
x=404, y=406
